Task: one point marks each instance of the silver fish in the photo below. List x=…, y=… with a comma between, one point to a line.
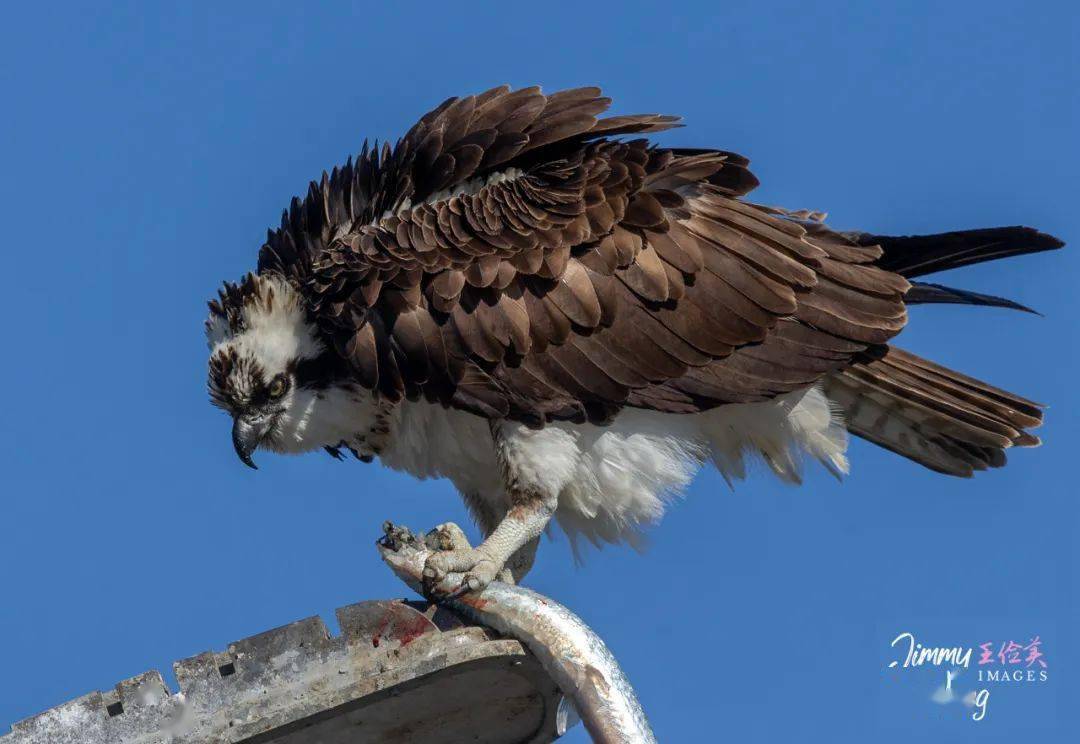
x=572, y=654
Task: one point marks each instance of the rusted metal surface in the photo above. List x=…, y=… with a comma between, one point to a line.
x=571, y=653
x=398, y=672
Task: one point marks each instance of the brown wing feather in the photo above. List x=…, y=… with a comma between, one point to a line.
x=595, y=274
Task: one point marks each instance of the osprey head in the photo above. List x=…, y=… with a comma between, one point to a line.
x=268, y=366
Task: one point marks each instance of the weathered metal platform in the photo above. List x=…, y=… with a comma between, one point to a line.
x=399, y=672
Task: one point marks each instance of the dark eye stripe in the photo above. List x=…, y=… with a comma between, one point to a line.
x=229, y=373
x=320, y=372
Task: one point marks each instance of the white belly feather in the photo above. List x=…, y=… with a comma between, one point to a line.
x=615, y=480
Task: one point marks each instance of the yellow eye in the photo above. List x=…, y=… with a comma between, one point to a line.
x=277, y=387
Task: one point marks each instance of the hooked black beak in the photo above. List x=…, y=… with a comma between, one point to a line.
x=247, y=433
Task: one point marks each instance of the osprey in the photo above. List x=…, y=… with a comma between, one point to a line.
x=567, y=323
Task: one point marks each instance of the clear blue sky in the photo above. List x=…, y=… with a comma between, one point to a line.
x=146, y=149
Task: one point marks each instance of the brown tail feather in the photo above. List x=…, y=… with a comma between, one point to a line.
x=942, y=419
